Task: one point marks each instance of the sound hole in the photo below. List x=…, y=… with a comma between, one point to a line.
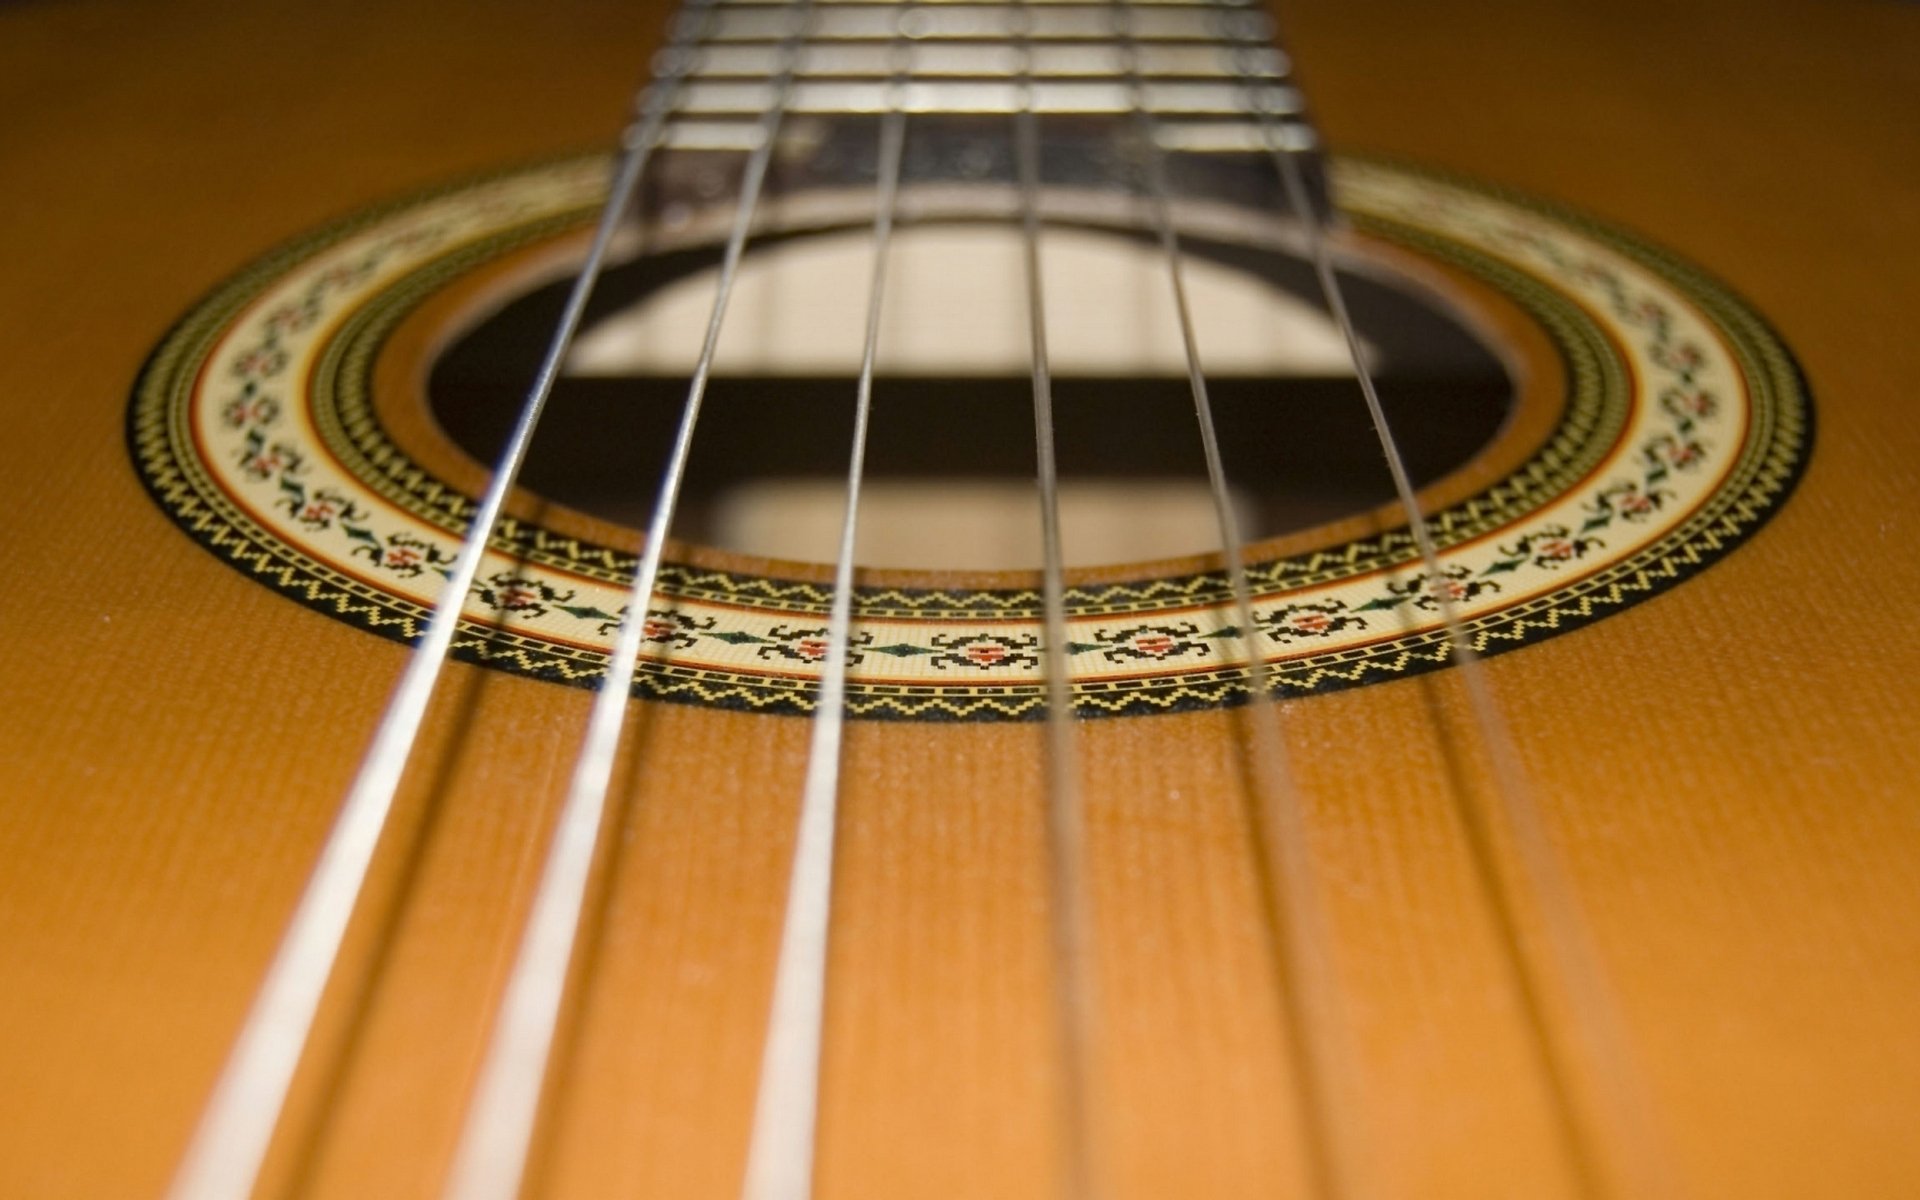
x=951, y=461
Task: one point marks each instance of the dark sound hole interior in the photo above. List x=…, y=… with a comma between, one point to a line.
x=1299, y=451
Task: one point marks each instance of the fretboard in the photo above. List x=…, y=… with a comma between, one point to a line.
x=1209, y=73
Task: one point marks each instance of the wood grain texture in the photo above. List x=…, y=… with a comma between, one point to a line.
x=1729, y=770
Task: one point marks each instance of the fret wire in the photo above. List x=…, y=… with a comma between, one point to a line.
x=1043, y=23
x=1622, y=1105
x=996, y=60
x=1309, y=988
x=1145, y=4
x=780, y=1158
x=1075, y=1004
x=230, y=1143
x=1202, y=97
x=500, y=1125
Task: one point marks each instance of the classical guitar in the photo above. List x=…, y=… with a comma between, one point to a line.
x=959, y=599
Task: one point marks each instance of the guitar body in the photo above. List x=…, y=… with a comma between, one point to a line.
x=1728, y=771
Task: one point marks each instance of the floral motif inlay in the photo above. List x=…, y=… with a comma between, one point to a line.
x=241, y=440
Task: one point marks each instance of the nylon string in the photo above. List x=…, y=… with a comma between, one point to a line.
x=1316, y=1029
x=1618, y=1114
x=501, y=1122
x=1075, y=1003
x=780, y=1157
x=223, y=1160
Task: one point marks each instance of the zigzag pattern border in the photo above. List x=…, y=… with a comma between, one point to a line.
x=352, y=431
x=1770, y=467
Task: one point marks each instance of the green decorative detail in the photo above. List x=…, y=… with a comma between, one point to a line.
x=735, y=637
x=586, y=612
x=898, y=650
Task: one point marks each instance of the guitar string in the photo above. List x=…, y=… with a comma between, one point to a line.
x=1316, y=1030
x=1603, y=1045
x=1070, y=929
x=230, y=1143
x=504, y=1114
x=780, y=1155
x=384, y=766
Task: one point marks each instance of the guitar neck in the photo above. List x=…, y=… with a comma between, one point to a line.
x=1197, y=78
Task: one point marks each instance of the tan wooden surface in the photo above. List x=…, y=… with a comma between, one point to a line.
x=1730, y=770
